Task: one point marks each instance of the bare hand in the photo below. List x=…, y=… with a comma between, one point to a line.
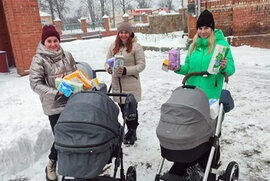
x=60, y=93
x=121, y=70
x=109, y=70
x=223, y=63
x=174, y=69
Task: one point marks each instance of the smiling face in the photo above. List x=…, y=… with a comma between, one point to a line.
x=52, y=43
x=204, y=31
x=124, y=36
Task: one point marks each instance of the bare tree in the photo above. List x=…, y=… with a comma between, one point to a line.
x=124, y=4
x=58, y=7
x=143, y=3
x=102, y=7
x=47, y=5
x=42, y=4
x=167, y=3
x=113, y=13
x=61, y=7
x=91, y=9
x=51, y=8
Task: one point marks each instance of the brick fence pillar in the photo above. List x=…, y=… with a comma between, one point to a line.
x=125, y=17
x=145, y=18
x=24, y=28
x=192, y=26
x=106, y=23
x=58, y=26
x=84, y=25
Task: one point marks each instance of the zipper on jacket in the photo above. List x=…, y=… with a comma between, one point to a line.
x=119, y=79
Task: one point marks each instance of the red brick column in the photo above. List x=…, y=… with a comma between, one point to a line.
x=106, y=23
x=58, y=26
x=191, y=26
x=84, y=25
x=24, y=28
x=107, y=27
x=125, y=17
x=181, y=11
x=145, y=18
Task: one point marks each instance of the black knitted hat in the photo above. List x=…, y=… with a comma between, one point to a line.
x=206, y=19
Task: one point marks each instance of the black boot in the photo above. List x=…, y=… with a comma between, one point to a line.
x=130, y=137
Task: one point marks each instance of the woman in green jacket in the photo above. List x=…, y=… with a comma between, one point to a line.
x=198, y=58
x=200, y=53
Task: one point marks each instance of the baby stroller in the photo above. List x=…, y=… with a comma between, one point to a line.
x=88, y=136
x=186, y=131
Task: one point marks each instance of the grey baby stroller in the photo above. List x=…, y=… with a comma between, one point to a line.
x=88, y=136
x=187, y=132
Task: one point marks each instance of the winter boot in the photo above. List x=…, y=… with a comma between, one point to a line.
x=130, y=137
x=51, y=171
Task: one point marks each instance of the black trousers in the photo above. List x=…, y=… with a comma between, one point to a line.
x=130, y=124
x=53, y=120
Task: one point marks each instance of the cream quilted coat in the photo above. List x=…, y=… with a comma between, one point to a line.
x=134, y=62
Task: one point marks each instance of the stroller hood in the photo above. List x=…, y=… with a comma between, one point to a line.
x=185, y=120
x=86, y=134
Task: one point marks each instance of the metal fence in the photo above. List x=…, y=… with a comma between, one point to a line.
x=71, y=28
x=95, y=25
x=74, y=28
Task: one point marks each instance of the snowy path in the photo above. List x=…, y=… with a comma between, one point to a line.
x=25, y=134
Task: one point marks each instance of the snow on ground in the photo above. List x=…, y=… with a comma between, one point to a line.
x=25, y=131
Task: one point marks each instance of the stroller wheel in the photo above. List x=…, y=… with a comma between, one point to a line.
x=232, y=172
x=157, y=178
x=131, y=174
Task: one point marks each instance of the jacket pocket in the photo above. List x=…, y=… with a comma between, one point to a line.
x=134, y=77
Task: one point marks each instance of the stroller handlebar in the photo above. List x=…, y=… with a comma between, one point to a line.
x=204, y=74
x=100, y=70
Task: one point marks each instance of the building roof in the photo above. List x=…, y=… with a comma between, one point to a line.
x=41, y=13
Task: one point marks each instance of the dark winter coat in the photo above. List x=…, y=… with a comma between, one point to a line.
x=199, y=61
x=46, y=66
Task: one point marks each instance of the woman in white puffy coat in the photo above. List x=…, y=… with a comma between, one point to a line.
x=50, y=62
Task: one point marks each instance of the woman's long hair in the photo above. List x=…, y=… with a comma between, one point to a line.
x=211, y=42
x=119, y=44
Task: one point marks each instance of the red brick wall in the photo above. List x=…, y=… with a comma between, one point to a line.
x=239, y=18
x=254, y=19
x=24, y=29
x=5, y=44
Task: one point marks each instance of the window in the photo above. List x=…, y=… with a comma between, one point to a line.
x=44, y=22
x=136, y=18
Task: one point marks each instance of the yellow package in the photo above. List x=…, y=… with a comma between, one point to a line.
x=165, y=65
x=95, y=83
x=79, y=76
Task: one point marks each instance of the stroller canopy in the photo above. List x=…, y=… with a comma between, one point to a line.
x=86, y=133
x=185, y=120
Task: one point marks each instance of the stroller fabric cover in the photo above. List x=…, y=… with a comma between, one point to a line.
x=185, y=121
x=86, y=134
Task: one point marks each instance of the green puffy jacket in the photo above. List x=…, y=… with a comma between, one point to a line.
x=199, y=61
